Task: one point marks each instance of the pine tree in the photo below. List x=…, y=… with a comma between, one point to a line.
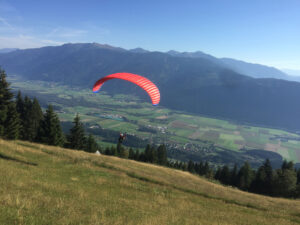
x=153, y=155
x=91, y=144
x=31, y=118
x=218, y=174
x=234, y=173
x=206, y=169
x=225, y=176
x=285, y=183
x=245, y=177
x=12, y=125
x=119, y=148
x=191, y=167
x=131, y=153
x=76, y=137
x=148, y=153
x=50, y=130
x=162, y=155
x=35, y=119
x=5, y=100
x=21, y=111
x=136, y=155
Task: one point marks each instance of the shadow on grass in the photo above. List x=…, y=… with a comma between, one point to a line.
x=16, y=160
x=149, y=180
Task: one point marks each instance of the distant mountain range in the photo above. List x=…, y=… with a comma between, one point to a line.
x=6, y=50
x=193, y=82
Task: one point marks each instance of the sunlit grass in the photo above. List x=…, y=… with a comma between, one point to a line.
x=72, y=187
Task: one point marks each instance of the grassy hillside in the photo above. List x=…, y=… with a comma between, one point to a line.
x=49, y=185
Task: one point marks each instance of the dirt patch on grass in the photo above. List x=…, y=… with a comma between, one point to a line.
x=272, y=147
x=161, y=117
x=180, y=124
x=212, y=134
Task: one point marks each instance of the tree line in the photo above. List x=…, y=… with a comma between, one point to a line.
x=23, y=118
x=282, y=182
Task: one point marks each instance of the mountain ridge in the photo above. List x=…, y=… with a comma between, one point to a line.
x=193, y=84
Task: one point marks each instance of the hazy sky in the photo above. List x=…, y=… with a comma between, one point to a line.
x=260, y=31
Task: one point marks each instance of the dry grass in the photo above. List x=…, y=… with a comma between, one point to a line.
x=49, y=185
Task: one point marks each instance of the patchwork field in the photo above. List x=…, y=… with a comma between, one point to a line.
x=124, y=113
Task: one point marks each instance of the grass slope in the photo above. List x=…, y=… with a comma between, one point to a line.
x=49, y=185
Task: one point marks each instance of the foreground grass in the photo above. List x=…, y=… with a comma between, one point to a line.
x=48, y=185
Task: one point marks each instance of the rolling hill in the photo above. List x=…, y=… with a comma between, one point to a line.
x=199, y=85
x=50, y=185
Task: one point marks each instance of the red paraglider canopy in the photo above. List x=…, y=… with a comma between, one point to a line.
x=143, y=82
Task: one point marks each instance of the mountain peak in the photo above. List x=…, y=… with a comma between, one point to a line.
x=138, y=50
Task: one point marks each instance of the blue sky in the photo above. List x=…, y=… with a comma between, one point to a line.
x=259, y=31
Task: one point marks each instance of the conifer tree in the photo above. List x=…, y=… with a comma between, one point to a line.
x=50, y=130
x=191, y=167
x=153, y=155
x=5, y=100
x=12, y=125
x=136, y=155
x=225, y=176
x=206, y=168
x=36, y=118
x=148, y=153
x=234, y=172
x=162, y=155
x=285, y=180
x=131, y=154
x=119, y=148
x=218, y=173
x=76, y=137
x=245, y=177
x=91, y=144
x=32, y=116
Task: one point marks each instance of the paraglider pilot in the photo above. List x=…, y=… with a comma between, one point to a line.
x=122, y=137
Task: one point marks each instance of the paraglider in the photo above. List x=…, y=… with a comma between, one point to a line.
x=122, y=137
x=143, y=82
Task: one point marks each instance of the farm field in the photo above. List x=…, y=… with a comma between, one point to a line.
x=51, y=185
x=122, y=113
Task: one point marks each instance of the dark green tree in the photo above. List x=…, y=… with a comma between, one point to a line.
x=162, y=155
x=234, y=173
x=136, y=155
x=91, y=144
x=31, y=118
x=148, y=153
x=119, y=148
x=285, y=180
x=225, y=176
x=50, y=130
x=245, y=177
x=153, y=155
x=191, y=166
x=263, y=179
x=5, y=100
x=12, y=125
x=131, y=153
x=218, y=173
x=76, y=138
x=287, y=165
